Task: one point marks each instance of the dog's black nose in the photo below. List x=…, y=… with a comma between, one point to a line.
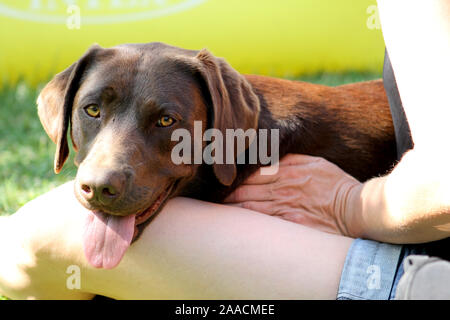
x=101, y=187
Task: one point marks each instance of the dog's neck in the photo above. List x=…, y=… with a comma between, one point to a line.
x=304, y=122
x=334, y=123
x=293, y=137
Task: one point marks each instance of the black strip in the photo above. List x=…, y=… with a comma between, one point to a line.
x=401, y=126
x=404, y=143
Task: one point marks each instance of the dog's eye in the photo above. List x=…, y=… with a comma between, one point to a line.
x=93, y=110
x=165, y=121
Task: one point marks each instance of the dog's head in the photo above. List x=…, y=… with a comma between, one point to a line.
x=121, y=105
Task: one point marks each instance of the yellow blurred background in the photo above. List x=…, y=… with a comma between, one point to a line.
x=285, y=38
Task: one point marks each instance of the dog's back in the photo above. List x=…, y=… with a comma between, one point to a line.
x=350, y=125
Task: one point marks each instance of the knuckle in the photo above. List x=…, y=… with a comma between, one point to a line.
x=320, y=161
x=290, y=172
x=239, y=193
x=247, y=205
x=282, y=191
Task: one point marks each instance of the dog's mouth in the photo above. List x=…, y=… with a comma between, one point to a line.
x=144, y=217
x=107, y=237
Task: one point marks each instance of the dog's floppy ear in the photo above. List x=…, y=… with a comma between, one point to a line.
x=235, y=105
x=55, y=104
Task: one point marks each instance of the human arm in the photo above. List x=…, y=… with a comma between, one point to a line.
x=191, y=250
x=412, y=203
x=316, y=193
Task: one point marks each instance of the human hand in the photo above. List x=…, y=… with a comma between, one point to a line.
x=306, y=190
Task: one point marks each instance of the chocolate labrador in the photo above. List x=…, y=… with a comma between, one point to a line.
x=123, y=104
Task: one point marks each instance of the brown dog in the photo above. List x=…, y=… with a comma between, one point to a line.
x=123, y=104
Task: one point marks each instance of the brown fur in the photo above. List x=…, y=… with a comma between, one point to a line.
x=353, y=119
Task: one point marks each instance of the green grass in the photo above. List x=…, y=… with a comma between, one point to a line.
x=26, y=153
x=336, y=79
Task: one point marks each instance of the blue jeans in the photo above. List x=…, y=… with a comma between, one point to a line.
x=373, y=269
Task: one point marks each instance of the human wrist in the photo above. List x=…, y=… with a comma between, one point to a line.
x=373, y=218
x=352, y=222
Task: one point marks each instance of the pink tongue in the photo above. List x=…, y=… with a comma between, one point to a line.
x=106, y=238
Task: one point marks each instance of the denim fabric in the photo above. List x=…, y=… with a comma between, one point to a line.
x=370, y=271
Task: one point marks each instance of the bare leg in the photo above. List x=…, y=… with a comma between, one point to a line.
x=191, y=250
